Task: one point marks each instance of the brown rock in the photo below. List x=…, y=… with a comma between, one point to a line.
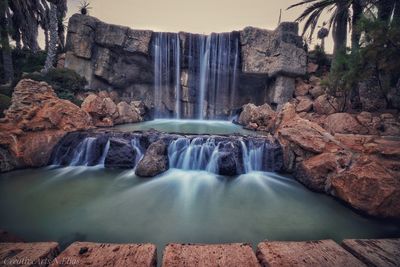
x=127, y=114
x=301, y=88
x=28, y=254
x=140, y=107
x=370, y=187
x=325, y=104
x=315, y=171
x=316, y=91
x=344, y=123
x=305, y=105
x=36, y=120
x=209, y=255
x=100, y=108
x=375, y=252
x=262, y=116
x=100, y=254
x=309, y=253
x=155, y=160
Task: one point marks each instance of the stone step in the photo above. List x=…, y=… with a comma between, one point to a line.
x=237, y=254
x=28, y=254
x=375, y=252
x=101, y=254
x=308, y=253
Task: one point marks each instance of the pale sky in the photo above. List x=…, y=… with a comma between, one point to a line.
x=201, y=16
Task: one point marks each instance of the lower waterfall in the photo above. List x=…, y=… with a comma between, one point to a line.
x=225, y=155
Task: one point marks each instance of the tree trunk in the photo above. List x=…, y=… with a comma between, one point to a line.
x=340, y=28
x=355, y=34
x=53, y=30
x=6, y=50
x=396, y=13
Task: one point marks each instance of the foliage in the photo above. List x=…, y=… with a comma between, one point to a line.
x=377, y=58
x=65, y=82
x=319, y=56
x=5, y=102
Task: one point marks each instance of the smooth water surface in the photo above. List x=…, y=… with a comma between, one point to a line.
x=187, y=127
x=96, y=204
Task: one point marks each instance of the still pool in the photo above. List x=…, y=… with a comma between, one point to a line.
x=97, y=204
x=187, y=127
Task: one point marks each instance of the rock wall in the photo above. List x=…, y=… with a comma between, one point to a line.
x=118, y=58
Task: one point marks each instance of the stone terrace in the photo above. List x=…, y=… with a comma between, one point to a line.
x=353, y=252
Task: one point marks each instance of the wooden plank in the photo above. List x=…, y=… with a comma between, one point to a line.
x=102, y=254
x=28, y=254
x=202, y=255
x=375, y=252
x=308, y=253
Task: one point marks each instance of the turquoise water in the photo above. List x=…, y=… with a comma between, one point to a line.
x=96, y=204
x=188, y=127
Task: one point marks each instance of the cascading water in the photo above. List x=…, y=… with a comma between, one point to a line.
x=213, y=66
x=216, y=154
x=167, y=75
x=211, y=63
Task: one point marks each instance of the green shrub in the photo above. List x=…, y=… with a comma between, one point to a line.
x=5, y=102
x=65, y=82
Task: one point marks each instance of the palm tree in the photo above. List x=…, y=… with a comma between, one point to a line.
x=5, y=45
x=340, y=10
x=53, y=29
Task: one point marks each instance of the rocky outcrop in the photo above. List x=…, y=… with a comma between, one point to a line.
x=36, y=120
x=105, y=113
x=155, y=160
x=361, y=170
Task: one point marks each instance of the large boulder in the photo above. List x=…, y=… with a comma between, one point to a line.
x=326, y=105
x=259, y=116
x=36, y=120
x=120, y=154
x=305, y=104
x=370, y=187
x=155, y=160
x=344, y=123
x=102, y=109
x=127, y=114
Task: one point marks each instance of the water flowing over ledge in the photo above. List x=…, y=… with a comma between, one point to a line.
x=224, y=155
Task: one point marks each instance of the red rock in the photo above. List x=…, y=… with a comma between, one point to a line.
x=240, y=255
x=325, y=104
x=127, y=114
x=36, y=120
x=262, y=116
x=315, y=171
x=375, y=252
x=344, y=123
x=100, y=108
x=28, y=254
x=101, y=254
x=316, y=91
x=301, y=88
x=308, y=253
x=370, y=187
x=305, y=105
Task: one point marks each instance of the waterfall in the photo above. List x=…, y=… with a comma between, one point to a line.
x=167, y=75
x=216, y=154
x=212, y=64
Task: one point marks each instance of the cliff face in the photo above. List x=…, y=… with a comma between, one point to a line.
x=259, y=68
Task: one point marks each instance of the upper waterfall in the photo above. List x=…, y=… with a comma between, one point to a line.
x=210, y=67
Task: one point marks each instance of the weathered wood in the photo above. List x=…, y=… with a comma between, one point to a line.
x=201, y=255
x=308, y=253
x=375, y=252
x=99, y=254
x=28, y=254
